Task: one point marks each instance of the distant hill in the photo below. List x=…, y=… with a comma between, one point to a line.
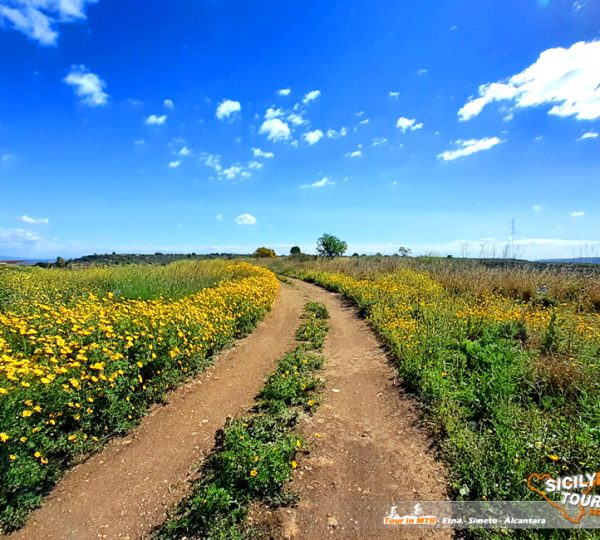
x=155, y=258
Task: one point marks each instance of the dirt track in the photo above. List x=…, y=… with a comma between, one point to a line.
x=366, y=447
x=369, y=447
x=124, y=491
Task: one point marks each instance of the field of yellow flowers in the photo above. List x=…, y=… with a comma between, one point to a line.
x=81, y=360
x=509, y=387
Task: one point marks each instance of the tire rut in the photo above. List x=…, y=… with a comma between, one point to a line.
x=366, y=449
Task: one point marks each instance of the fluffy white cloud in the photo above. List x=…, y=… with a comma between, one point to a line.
x=355, y=154
x=406, y=124
x=275, y=129
x=422, y=71
x=231, y=172
x=588, y=135
x=168, y=104
x=245, y=219
x=38, y=19
x=87, y=85
x=297, y=119
x=313, y=137
x=579, y=213
x=284, y=91
x=174, y=164
x=394, y=95
x=185, y=151
x=311, y=96
x=567, y=79
x=258, y=153
x=226, y=108
x=538, y=208
x=154, y=120
x=255, y=165
x=273, y=113
x=365, y=121
x=33, y=221
x=325, y=181
x=466, y=148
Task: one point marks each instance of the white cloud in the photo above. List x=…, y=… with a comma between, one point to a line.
x=311, y=96
x=154, y=120
x=333, y=134
x=567, y=79
x=185, y=151
x=365, y=121
x=258, y=153
x=355, y=154
x=226, y=108
x=379, y=141
x=297, y=119
x=38, y=19
x=214, y=163
x=325, y=181
x=174, y=164
x=406, y=124
x=588, y=135
x=466, y=148
x=538, y=208
x=273, y=113
x=255, y=165
x=231, y=172
x=219, y=217
x=33, y=221
x=87, y=85
x=422, y=71
x=168, y=104
x=275, y=129
x=394, y=95
x=313, y=137
x=245, y=219
x=579, y=213
x=284, y=91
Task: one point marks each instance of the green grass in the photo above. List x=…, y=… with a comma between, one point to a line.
x=501, y=402
x=254, y=455
x=19, y=285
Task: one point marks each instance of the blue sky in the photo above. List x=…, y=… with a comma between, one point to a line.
x=215, y=125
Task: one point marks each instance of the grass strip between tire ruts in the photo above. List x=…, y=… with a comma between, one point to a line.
x=254, y=454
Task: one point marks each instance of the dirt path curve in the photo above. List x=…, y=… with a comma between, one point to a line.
x=370, y=447
x=124, y=491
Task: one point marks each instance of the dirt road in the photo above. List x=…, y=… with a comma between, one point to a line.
x=366, y=447
x=124, y=491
